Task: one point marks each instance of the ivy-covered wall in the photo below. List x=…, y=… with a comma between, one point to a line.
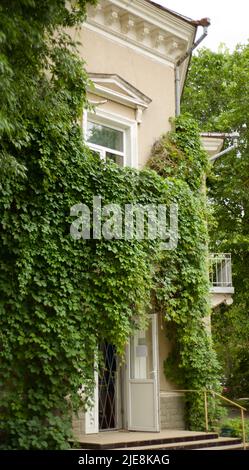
x=182, y=285
x=59, y=298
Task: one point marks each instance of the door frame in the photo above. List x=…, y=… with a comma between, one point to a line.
x=154, y=381
x=92, y=415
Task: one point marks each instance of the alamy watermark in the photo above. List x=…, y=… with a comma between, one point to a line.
x=128, y=222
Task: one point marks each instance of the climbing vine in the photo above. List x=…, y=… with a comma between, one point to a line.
x=182, y=287
x=61, y=297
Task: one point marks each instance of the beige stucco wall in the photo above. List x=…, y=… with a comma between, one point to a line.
x=154, y=79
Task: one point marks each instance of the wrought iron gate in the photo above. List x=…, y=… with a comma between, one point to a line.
x=108, y=388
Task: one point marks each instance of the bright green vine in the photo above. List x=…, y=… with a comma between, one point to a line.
x=182, y=287
x=60, y=297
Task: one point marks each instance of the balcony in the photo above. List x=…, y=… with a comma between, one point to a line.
x=220, y=273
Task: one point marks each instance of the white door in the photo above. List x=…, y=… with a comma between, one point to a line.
x=143, y=391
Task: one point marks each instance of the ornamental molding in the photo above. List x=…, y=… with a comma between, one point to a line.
x=143, y=26
x=115, y=88
x=124, y=92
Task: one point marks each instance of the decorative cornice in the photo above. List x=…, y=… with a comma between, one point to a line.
x=143, y=25
x=128, y=23
x=111, y=16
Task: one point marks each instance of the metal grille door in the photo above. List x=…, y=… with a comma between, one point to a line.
x=108, y=388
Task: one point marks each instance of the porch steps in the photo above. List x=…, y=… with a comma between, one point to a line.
x=165, y=440
x=209, y=444
x=227, y=447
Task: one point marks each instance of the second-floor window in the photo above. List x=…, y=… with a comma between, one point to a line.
x=108, y=141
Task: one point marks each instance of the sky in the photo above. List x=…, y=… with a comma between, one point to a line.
x=229, y=20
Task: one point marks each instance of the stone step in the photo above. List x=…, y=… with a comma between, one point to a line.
x=202, y=444
x=228, y=447
x=150, y=442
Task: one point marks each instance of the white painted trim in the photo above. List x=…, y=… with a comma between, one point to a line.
x=120, y=122
x=117, y=82
x=112, y=123
x=104, y=92
x=127, y=93
x=155, y=352
x=92, y=415
x=221, y=290
x=126, y=386
x=100, y=148
x=84, y=125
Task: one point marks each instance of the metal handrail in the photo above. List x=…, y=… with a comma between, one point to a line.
x=205, y=392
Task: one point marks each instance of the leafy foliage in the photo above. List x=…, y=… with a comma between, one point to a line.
x=231, y=333
x=182, y=287
x=42, y=92
x=209, y=78
x=234, y=427
x=60, y=297
x=30, y=53
x=223, y=106
x=180, y=154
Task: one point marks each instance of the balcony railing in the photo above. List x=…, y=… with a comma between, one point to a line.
x=221, y=273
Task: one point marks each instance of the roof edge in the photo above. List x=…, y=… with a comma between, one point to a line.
x=174, y=13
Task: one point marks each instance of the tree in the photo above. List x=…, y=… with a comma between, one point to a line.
x=30, y=52
x=217, y=93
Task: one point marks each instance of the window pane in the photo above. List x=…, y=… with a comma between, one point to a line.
x=118, y=159
x=96, y=152
x=105, y=136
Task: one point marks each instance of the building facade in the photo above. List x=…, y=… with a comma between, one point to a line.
x=131, y=49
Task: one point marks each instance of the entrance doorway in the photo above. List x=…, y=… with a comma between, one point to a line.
x=109, y=389
x=127, y=392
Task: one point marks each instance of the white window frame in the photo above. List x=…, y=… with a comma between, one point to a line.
x=101, y=149
x=120, y=123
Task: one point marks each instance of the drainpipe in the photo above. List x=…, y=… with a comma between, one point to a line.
x=235, y=145
x=205, y=23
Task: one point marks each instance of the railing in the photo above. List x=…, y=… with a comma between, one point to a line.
x=220, y=270
x=205, y=393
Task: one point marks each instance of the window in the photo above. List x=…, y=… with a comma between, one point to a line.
x=108, y=141
x=112, y=136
